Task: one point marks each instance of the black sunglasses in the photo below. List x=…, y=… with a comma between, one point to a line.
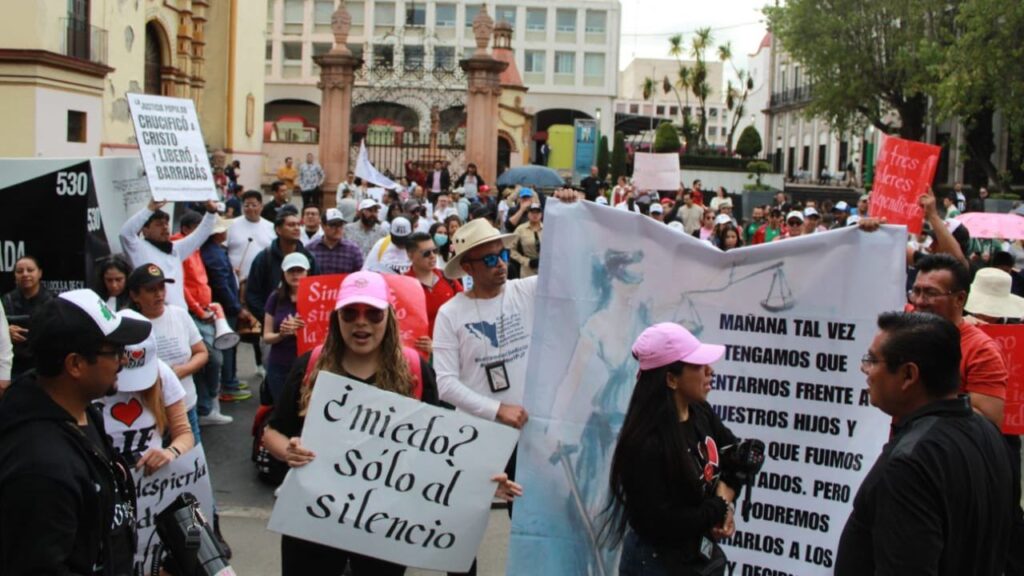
x=491, y=260
x=373, y=315
x=429, y=253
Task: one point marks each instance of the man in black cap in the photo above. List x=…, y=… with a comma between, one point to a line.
x=67, y=501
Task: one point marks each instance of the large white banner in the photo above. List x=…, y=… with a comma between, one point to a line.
x=189, y=473
x=656, y=171
x=796, y=316
x=172, y=148
x=393, y=478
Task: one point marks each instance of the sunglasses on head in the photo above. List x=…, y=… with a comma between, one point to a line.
x=372, y=315
x=491, y=260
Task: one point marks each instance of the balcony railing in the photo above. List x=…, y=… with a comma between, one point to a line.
x=793, y=96
x=83, y=41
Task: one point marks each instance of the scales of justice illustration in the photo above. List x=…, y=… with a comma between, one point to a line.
x=778, y=298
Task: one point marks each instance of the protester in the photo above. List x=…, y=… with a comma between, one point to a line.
x=669, y=497
x=690, y=214
x=949, y=204
x=937, y=500
x=812, y=221
x=148, y=383
x=280, y=196
x=333, y=253
x=111, y=273
x=1004, y=261
x=311, y=178
x=288, y=174
x=720, y=197
x=657, y=212
x=794, y=225
x=991, y=300
x=224, y=290
x=756, y=221
x=233, y=171
x=68, y=500
x=619, y=191
x=388, y=255
x=528, y=236
x=470, y=182
x=591, y=184
x=514, y=217
x=698, y=193
x=247, y=237
x=437, y=289
x=265, y=275
x=281, y=322
x=156, y=246
x=862, y=205
x=771, y=229
x=20, y=305
x=368, y=229
x=707, y=225
x=728, y=237
x=439, y=234
x=461, y=204
x=347, y=188
x=840, y=212
x=311, y=229
x=443, y=208
x=439, y=181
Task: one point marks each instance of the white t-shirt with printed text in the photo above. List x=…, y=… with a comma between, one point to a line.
x=130, y=425
x=176, y=333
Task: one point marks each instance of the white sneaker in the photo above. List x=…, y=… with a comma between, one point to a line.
x=215, y=419
x=261, y=373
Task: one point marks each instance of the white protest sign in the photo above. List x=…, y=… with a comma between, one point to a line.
x=795, y=316
x=393, y=478
x=656, y=171
x=188, y=473
x=172, y=148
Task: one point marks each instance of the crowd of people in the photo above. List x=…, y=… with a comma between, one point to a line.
x=476, y=252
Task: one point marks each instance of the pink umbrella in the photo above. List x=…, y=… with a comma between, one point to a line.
x=986, y=225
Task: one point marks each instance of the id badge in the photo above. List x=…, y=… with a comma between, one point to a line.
x=497, y=377
x=707, y=548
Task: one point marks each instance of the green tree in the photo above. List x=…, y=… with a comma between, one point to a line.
x=756, y=169
x=735, y=94
x=602, y=158
x=871, y=61
x=666, y=138
x=619, y=157
x=749, y=144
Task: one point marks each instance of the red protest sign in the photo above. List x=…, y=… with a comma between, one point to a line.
x=1010, y=338
x=317, y=295
x=903, y=172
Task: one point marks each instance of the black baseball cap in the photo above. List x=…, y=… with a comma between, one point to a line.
x=146, y=275
x=84, y=312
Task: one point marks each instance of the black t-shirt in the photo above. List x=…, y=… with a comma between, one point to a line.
x=285, y=418
x=122, y=526
x=591, y=187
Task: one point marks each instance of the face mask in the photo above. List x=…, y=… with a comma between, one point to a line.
x=440, y=239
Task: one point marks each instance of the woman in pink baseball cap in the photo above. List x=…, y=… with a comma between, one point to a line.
x=670, y=498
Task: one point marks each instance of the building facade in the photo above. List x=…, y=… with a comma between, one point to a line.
x=566, y=55
x=66, y=67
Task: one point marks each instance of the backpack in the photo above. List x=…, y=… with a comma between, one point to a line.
x=272, y=471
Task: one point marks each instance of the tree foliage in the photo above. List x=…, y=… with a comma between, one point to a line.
x=602, y=158
x=749, y=144
x=618, y=167
x=666, y=138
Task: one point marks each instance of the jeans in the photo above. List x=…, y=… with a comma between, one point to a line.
x=193, y=422
x=207, y=379
x=639, y=558
x=229, y=370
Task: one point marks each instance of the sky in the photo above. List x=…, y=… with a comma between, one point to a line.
x=647, y=25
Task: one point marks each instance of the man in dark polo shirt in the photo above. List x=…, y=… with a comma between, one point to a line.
x=937, y=500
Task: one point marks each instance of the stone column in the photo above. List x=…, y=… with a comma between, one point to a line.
x=337, y=78
x=484, y=89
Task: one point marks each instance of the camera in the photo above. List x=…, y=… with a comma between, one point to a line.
x=189, y=538
x=744, y=461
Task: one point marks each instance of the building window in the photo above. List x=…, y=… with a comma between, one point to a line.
x=413, y=57
x=712, y=131
x=593, y=65
x=565, y=20
x=270, y=51
x=597, y=21
x=505, y=14
x=383, y=56
x=444, y=58
x=533, y=61
x=322, y=12
x=471, y=12
x=294, y=12
x=565, y=63
x=321, y=48
x=713, y=112
x=660, y=110
x=445, y=15
x=384, y=14
x=76, y=126
x=292, y=51
x=673, y=110
x=536, y=19
x=358, y=12
x=356, y=50
x=796, y=76
x=415, y=14
x=634, y=108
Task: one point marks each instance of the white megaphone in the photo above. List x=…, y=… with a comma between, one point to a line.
x=224, y=337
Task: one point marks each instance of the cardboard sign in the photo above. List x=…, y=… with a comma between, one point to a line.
x=656, y=171
x=172, y=148
x=1010, y=338
x=393, y=478
x=318, y=294
x=188, y=473
x=904, y=171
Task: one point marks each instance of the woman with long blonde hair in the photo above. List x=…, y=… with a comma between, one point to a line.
x=363, y=343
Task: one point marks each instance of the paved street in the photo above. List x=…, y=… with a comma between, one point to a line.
x=245, y=503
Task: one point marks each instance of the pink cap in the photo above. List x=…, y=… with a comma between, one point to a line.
x=665, y=343
x=368, y=288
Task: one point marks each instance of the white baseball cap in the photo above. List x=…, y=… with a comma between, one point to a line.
x=295, y=260
x=810, y=211
x=368, y=203
x=140, y=371
x=657, y=208
x=334, y=215
x=795, y=214
x=401, y=227
x=84, y=311
x=602, y=200
x=722, y=219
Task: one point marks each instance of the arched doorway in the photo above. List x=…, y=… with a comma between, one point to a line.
x=154, y=59
x=504, y=154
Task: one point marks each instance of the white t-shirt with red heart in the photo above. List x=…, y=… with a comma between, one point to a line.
x=130, y=425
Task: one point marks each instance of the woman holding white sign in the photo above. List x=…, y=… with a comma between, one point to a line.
x=363, y=343
x=670, y=486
